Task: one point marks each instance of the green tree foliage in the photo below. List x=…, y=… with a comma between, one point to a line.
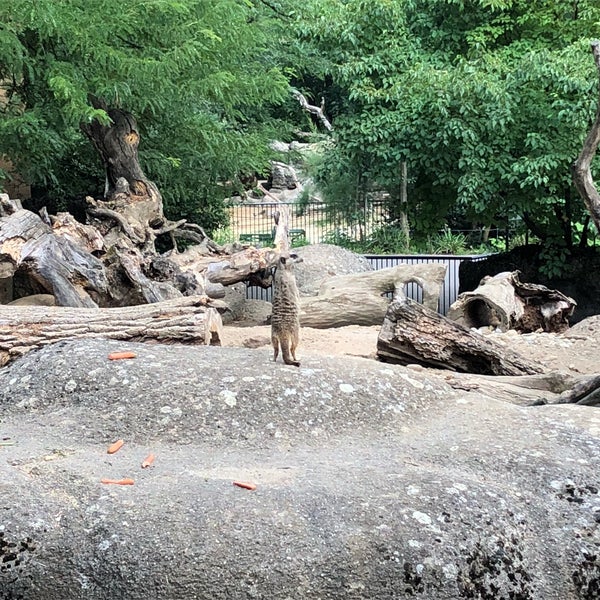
x=198, y=75
x=488, y=101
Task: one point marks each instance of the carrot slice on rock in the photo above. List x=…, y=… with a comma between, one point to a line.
x=115, y=447
x=121, y=355
x=125, y=481
x=245, y=485
x=148, y=461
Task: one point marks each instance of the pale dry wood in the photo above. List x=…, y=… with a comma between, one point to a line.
x=585, y=392
x=59, y=265
x=191, y=320
x=524, y=390
x=360, y=298
x=342, y=310
x=318, y=111
x=411, y=333
x=152, y=291
x=85, y=236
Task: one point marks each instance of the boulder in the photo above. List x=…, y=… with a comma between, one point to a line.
x=372, y=481
x=321, y=261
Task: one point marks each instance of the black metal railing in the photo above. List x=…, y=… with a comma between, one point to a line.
x=450, y=286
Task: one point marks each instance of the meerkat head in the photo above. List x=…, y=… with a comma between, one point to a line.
x=286, y=261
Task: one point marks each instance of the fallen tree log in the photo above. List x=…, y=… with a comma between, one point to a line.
x=192, y=320
x=80, y=267
x=360, y=298
x=586, y=392
x=411, y=333
x=505, y=302
x=523, y=390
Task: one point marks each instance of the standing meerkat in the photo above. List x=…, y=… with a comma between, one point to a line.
x=285, y=318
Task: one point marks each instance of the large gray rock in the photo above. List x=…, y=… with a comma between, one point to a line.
x=321, y=261
x=373, y=482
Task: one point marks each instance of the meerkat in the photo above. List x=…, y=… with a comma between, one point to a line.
x=285, y=318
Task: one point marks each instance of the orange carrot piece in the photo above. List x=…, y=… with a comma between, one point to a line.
x=245, y=485
x=115, y=447
x=121, y=355
x=118, y=481
x=148, y=461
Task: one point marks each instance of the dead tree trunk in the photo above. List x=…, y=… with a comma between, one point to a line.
x=186, y=320
x=117, y=143
x=581, y=168
x=412, y=333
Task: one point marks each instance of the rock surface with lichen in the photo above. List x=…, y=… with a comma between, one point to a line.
x=372, y=481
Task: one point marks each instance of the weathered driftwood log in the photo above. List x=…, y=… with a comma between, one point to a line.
x=411, y=333
x=192, y=320
x=58, y=265
x=505, y=302
x=585, y=392
x=524, y=390
x=359, y=298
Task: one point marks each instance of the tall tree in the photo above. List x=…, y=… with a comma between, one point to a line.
x=487, y=101
x=196, y=75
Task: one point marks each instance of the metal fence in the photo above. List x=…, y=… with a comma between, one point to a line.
x=310, y=222
x=450, y=286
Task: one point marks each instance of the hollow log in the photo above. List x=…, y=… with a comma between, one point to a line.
x=411, y=333
x=192, y=320
x=505, y=302
x=360, y=298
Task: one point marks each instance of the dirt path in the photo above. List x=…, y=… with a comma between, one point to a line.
x=575, y=352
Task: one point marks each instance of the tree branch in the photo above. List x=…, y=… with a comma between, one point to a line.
x=315, y=110
x=581, y=168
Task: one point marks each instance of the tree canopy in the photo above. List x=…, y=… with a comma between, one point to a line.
x=198, y=75
x=487, y=101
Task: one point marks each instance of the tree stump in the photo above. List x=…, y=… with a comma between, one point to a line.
x=411, y=333
x=507, y=303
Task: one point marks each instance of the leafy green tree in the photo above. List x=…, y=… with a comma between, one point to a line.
x=487, y=101
x=198, y=75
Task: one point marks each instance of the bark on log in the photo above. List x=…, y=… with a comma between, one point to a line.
x=412, y=333
x=117, y=143
x=585, y=392
x=60, y=266
x=359, y=298
x=507, y=303
x=186, y=320
x=342, y=310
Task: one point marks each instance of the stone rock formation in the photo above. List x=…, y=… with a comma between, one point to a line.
x=372, y=481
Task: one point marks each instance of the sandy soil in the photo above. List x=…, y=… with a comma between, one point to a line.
x=575, y=352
